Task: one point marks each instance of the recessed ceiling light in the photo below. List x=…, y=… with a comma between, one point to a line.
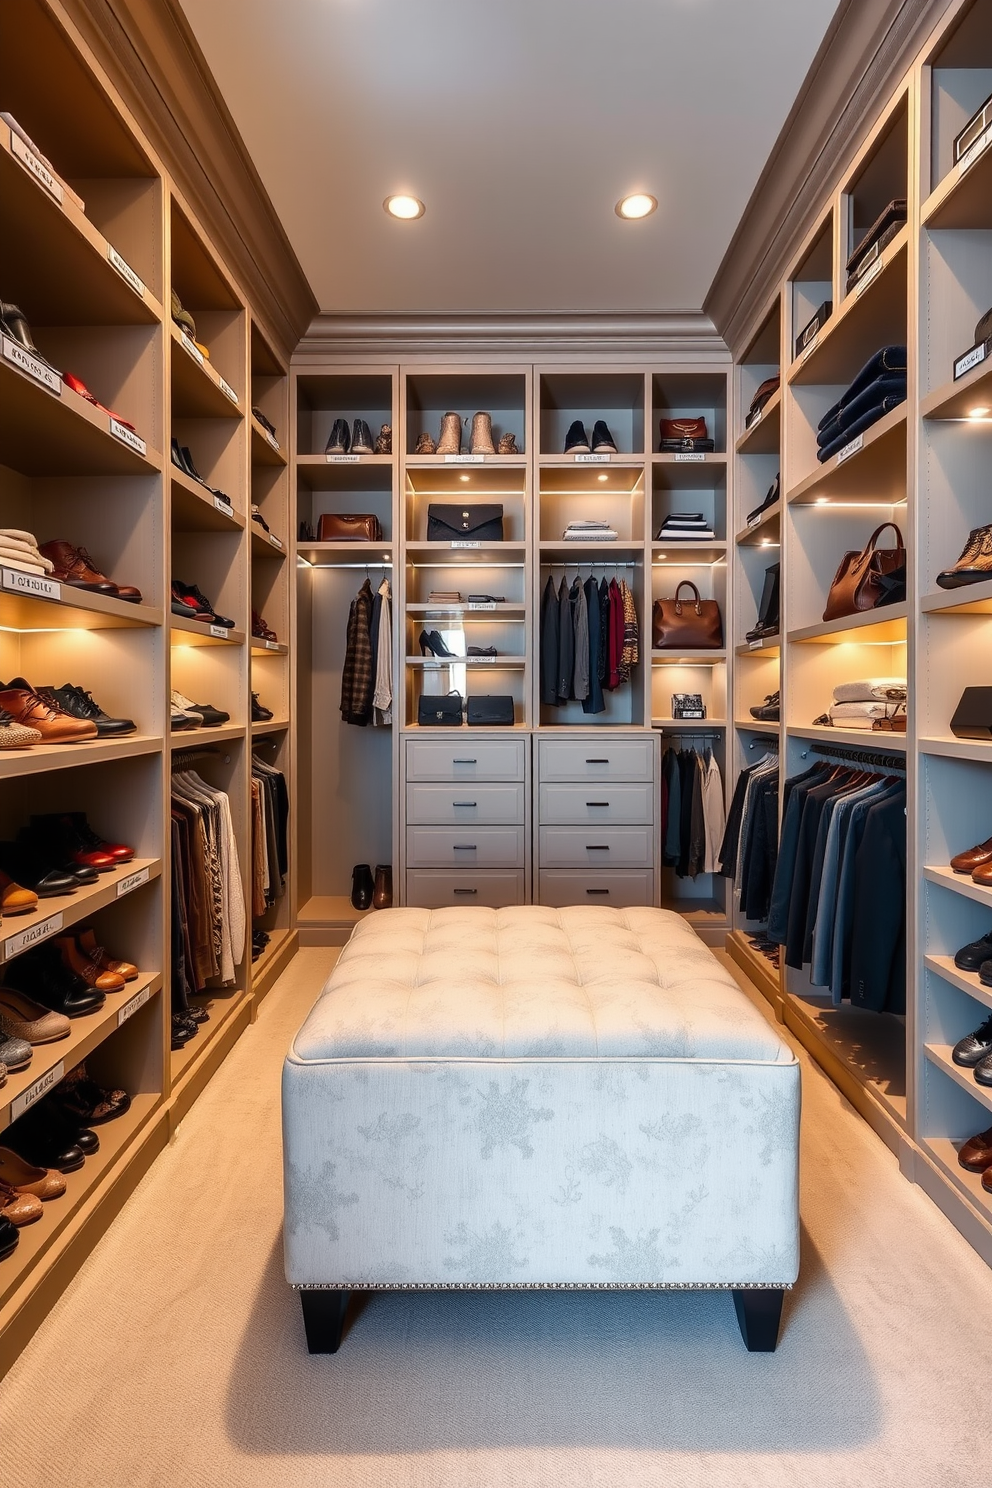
x=979, y=412
x=406, y=207
x=639, y=204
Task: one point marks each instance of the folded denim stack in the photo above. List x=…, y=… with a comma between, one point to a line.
x=20, y=550
x=879, y=387
x=590, y=531
x=685, y=527
x=869, y=702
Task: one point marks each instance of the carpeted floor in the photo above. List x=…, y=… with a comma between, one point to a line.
x=176, y=1358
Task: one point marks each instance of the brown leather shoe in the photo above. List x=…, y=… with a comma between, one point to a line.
x=967, y=862
x=74, y=566
x=19, y=1208
x=976, y=1154
x=14, y=899
x=92, y=974
x=975, y=563
x=24, y=1018
x=382, y=894
x=87, y=943
x=54, y=726
x=983, y=874
x=987, y=1180
x=23, y=1176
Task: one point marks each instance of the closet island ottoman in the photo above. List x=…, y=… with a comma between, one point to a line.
x=537, y=1097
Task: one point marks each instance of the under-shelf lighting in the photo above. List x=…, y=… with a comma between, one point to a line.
x=979, y=413
x=603, y=477
x=639, y=204
x=464, y=477
x=822, y=501
x=406, y=208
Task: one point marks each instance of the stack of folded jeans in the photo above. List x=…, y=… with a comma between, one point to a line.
x=879, y=387
x=685, y=527
x=591, y=531
x=19, y=549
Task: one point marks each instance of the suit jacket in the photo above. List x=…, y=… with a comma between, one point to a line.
x=878, y=933
x=566, y=645
x=549, y=644
x=594, y=703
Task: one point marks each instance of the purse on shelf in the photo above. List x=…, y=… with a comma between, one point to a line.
x=686, y=624
x=349, y=527
x=869, y=579
x=439, y=710
x=684, y=434
x=490, y=710
x=454, y=523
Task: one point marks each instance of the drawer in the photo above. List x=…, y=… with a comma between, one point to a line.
x=597, y=803
x=621, y=889
x=465, y=758
x=498, y=805
x=465, y=847
x=492, y=889
x=597, y=847
x=596, y=759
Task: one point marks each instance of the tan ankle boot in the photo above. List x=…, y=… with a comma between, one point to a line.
x=507, y=445
x=425, y=445
x=450, y=442
x=482, y=435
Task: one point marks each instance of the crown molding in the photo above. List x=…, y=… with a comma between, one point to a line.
x=149, y=53
x=868, y=49
x=687, y=336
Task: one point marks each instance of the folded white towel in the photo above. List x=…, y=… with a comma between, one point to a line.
x=848, y=713
x=868, y=688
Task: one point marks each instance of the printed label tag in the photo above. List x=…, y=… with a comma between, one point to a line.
x=464, y=459
x=191, y=347
x=970, y=155
x=220, y=631
x=689, y=457
x=125, y=270
x=756, y=645
x=132, y=881
x=971, y=358
x=41, y=1086
x=479, y=604
x=272, y=645
x=592, y=459
x=808, y=350
x=29, y=583
x=850, y=449
x=223, y=506
x=871, y=274
x=226, y=388
x=15, y=353
x=342, y=459
x=464, y=543
x=130, y=1008
x=753, y=521
x=31, y=163
x=272, y=440
x=275, y=541
x=753, y=424
x=127, y=436
x=15, y=944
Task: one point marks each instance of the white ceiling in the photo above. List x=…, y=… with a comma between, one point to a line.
x=519, y=123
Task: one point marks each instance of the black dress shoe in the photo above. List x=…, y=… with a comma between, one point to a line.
x=575, y=440
x=362, y=886
x=81, y=704
x=983, y=1072
x=33, y=868
x=339, y=440
x=769, y=711
x=770, y=500
x=261, y=714
x=361, y=439
x=42, y=975
x=8, y=1237
x=44, y=1137
x=971, y=956
x=975, y=1048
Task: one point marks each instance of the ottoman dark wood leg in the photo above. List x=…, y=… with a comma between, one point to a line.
x=323, y=1319
x=759, y=1310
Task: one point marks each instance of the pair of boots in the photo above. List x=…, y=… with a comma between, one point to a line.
x=450, y=441
x=768, y=610
x=369, y=894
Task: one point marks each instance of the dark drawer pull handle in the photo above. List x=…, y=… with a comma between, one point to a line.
x=597, y=847
x=464, y=803
x=597, y=762
x=464, y=847
x=597, y=803
x=475, y=891
x=464, y=762
x=597, y=891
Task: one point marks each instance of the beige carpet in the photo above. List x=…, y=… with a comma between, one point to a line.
x=176, y=1359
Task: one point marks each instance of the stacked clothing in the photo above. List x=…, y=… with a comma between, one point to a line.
x=685, y=527
x=692, y=812
x=20, y=550
x=590, y=531
x=444, y=596
x=879, y=387
x=269, y=846
x=862, y=704
x=367, y=674
x=838, y=900
x=590, y=641
x=749, y=849
x=208, y=903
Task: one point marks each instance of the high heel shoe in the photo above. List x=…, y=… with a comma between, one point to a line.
x=430, y=640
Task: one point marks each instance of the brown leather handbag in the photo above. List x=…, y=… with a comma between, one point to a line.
x=869, y=579
x=686, y=624
x=349, y=527
x=683, y=428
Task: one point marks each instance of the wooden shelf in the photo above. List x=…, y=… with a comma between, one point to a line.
x=688, y=658
x=268, y=648
x=350, y=473
x=962, y=199
x=76, y=609
x=690, y=725
x=758, y=726
x=949, y=747
x=45, y=434
x=871, y=316
x=466, y=613
x=349, y=554
x=940, y=1056
x=494, y=663
x=763, y=974
x=263, y=450
x=965, y=981
x=943, y=1152
x=57, y=913
x=760, y=650
x=272, y=962
x=705, y=914
x=765, y=436
x=194, y=509
x=880, y=743
x=331, y=909
x=766, y=531
x=36, y=759
x=856, y=628
x=672, y=473
x=198, y=737
x=445, y=555
x=194, y=633
x=862, y=476
x=560, y=551
x=959, y=883
x=196, y=386
x=687, y=555
x=269, y=726
x=870, y=1046
x=225, y=1010
x=956, y=399
x=266, y=545
x=969, y=599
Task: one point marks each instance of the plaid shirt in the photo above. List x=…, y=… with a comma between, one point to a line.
x=357, y=675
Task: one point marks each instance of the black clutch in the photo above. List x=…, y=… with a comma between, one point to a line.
x=973, y=714
x=440, y=710
x=491, y=710
x=480, y=523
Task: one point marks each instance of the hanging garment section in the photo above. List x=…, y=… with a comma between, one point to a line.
x=269, y=844
x=749, y=850
x=367, y=674
x=692, y=811
x=838, y=900
x=590, y=640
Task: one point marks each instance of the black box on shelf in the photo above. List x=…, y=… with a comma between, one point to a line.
x=973, y=130
x=812, y=326
x=688, y=705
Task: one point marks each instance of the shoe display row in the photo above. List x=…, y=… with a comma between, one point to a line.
x=432, y=643
x=57, y=854
x=449, y=441
x=54, y=715
x=186, y=714
x=577, y=441
x=975, y=1155
x=770, y=710
x=186, y=323
x=270, y=427
x=767, y=622
x=183, y=460
x=359, y=441
x=14, y=325
x=192, y=604
x=61, y=560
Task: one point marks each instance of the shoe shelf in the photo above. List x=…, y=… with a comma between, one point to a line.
x=58, y=912
x=195, y=633
x=688, y=658
x=85, y=1034
x=494, y=663
x=264, y=969
x=876, y=470
x=765, y=434
x=346, y=554
x=940, y=1056
x=959, y=883
x=970, y=599
x=269, y=726
x=54, y=256
x=884, y=743
x=78, y=609
x=38, y=758
x=443, y=554
x=230, y=1013
x=952, y=748
x=676, y=464
x=264, y=449
x=760, y=648
x=198, y=737
x=943, y=1152
x=765, y=533
x=863, y=628
x=959, y=400
x=585, y=462
x=44, y=433
x=416, y=464
x=870, y=1047
x=685, y=725
x=561, y=551
x=194, y=509
x=266, y=545
x=965, y=981
x=468, y=612
x=872, y=315
x=268, y=648
x=963, y=199
x=757, y=726
x=198, y=390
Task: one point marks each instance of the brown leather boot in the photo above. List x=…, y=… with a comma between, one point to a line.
x=91, y=973
x=382, y=896
x=450, y=442
x=482, y=435
x=74, y=566
x=975, y=563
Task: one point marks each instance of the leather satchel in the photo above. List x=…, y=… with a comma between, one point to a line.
x=684, y=434
x=349, y=527
x=490, y=710
x=869, y=579
x=446, y=523
x=439, y=710
x=686, y=624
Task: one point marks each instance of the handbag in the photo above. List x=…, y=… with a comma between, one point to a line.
x=684, y=434
x=869, y=579
x=453, y=523
x=491, y=710
x=349, y=527
x=686, y=625
x=439, y=710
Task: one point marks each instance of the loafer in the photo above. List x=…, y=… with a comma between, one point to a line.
x=971, y=956
x=575, y=440
x=9, y=1237
x=339, y=440
x=261, y=714
x=25, y=862
x=970, y=1051
x=20, y=1208
x=25, y=1177
x=361, y=438
x=23, y=1018
x=976, y=1153
x=87, y=942
x=15, y=1053
x=602, y=439
x=78, y=386
x=15, y=900
x=973, y=857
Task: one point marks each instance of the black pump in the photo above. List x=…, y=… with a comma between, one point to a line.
x=430, y=640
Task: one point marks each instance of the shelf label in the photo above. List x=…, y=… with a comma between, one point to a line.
x=970, y=155
x=35, y=368
x=31, y=163
x=464, y=459
x=15, y=944
x=220, y=631
x=272, y=440
x=125, y=270
x=127, y=436
x=808, y=350
x=132, y=881
x=481, y=660
x=272, y=645
x=755, y=520
x=870, y=275
x=685, y=713
x=223, y=506
x=130, y=1008
x=342, y=459
x=191, y=347
x=756, y=645
x=971, y=358
x=227, y=389
x=592, y=459
x=755, y=421
x=465, y=543
x=41, y=1086
x=482, y=604
x=37, y=585
x=689, y=457
x=850, y=449
x=275, y=541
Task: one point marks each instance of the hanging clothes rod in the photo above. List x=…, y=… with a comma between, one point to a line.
x=875, y=757
x=388, y=563
x=586, y=563
x=770, y=741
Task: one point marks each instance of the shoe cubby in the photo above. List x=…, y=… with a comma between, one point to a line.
x=955, y=368
x=879, y=177
x=618, y=398
x=208, y=370
x=760, y=434
x=754, y=563
x=822, y=535
x=957, y=79
x=322, y=399
x=461, y=490
x=429, y=395
x=568, y=494
x=209, y=673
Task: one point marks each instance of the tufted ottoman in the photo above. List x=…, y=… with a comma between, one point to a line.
x=535, y=1097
